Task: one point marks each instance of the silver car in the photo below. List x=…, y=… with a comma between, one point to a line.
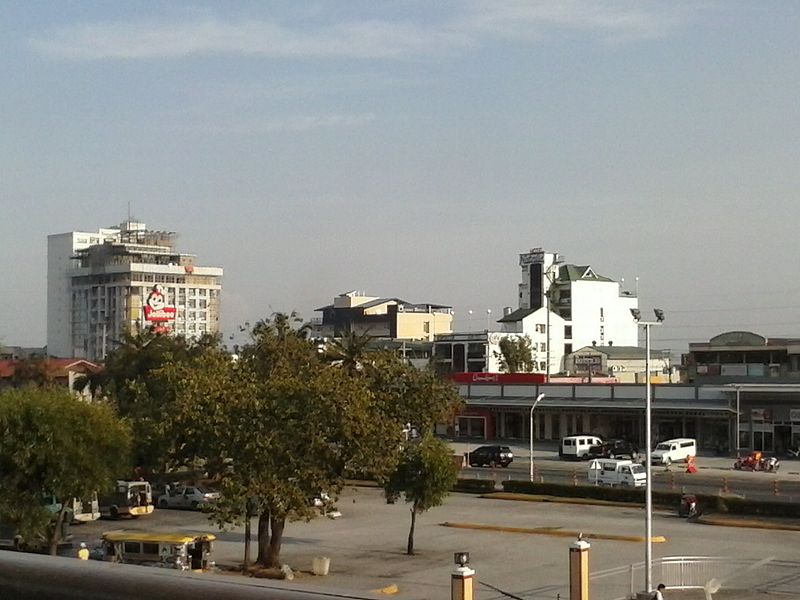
x=194, y=497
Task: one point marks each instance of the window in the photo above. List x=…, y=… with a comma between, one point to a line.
x=542, y=366
x=601, y=313
x=542, y=347
x=132, y=547
x=541, y=328
x=568, y=332
x=567, y=348
x=150, y=548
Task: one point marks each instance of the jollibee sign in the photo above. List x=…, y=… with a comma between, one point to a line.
x=156, y=309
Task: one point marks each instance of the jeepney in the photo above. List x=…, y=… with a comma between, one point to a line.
x=180, y=550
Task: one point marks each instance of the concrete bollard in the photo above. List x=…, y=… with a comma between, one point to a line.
x=775, y=491
x=579, y=570
x=672, y=480
x=461, y=580
x=725, y=489
x=574, y=478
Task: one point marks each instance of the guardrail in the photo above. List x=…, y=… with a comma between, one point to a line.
x=766, y=576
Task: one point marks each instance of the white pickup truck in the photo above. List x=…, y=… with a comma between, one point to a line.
x=606, y=471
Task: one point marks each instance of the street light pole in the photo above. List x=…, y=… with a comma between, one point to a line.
x=648, y=419
x=535, y=402
x=738, y=417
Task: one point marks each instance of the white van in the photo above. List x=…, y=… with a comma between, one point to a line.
x=606, y=471
x=577, y=446
x=677, y=450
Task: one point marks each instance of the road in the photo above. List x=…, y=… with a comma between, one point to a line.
x=714, y=474
x=366, y=545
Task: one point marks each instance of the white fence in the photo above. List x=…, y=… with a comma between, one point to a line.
x=766, y=576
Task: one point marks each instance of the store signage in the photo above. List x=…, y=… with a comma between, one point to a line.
x=761, y=414
x=794, y=415
x=532, y=258
x=594, y=361
x=156, y=309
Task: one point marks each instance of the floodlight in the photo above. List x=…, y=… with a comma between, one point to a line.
x=637, y=314
x=659, y=314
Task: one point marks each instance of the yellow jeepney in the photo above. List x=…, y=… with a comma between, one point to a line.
x=172, y=550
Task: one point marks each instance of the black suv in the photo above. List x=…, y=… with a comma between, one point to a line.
x=491, y=455
x=614, y=449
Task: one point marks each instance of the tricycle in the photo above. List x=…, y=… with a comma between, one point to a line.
x=755, y=461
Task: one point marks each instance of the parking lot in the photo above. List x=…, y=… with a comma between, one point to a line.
x=366, y=544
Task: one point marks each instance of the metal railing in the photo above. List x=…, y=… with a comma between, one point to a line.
x=766, y=576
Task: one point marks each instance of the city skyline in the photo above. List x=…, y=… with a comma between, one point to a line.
x=414, y=150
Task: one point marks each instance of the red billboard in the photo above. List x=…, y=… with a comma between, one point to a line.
x=156, y=309
x=509, y=378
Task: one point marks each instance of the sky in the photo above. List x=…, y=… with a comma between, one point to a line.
x=413, y=149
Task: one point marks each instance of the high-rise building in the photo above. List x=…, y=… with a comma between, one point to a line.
x=128, y=278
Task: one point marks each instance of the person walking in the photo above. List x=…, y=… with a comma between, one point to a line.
x=659, y=595
x=83, y=553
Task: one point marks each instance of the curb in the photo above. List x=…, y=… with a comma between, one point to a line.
x=555, y=532
x=746, y=523
x=559, y=499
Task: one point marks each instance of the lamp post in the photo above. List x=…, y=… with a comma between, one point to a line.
x=535, y=402
x=738, y=417
x=488, y=317
x=648, y=418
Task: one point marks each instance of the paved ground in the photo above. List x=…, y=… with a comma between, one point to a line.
x=366, y=545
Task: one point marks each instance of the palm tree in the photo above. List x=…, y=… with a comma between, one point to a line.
x=349, y=351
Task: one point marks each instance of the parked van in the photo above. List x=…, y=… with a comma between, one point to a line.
x=677, y=450
x=577, y=447
x=617, y=472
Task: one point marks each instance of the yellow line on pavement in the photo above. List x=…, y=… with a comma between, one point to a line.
x=556, y=532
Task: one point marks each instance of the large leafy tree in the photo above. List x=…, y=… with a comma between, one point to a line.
x=424, y=477
x=53, y=444
x=133, y=380
x=288, y=423
x=516, y=354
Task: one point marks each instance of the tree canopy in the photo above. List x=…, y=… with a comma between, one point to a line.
x=53, y=444
x=516, y=355
x=424, y=477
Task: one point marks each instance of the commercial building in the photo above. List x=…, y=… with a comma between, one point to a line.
x=626, y=364
x=561, y=307
x=129, y=278
x=390, y=318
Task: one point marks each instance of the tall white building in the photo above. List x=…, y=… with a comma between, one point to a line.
x=129, y=278
x=585, y=308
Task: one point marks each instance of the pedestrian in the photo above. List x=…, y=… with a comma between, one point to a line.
x=83, y=553
x=658, y=595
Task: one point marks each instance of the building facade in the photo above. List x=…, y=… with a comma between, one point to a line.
x=125, y=279
x=390, y=318
x=627, y=364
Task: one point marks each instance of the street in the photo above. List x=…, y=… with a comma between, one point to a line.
x=714, y=473
x=366, y=545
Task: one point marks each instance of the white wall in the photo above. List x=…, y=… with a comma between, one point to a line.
x=617, y=324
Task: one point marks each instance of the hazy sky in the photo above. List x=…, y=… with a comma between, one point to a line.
x=413, y=149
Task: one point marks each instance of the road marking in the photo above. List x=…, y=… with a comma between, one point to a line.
x=555, y=532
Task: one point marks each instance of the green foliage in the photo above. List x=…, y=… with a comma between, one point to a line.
x=51, y=443
x=349, y=351
x=669, y=499
x=474, y=486
x=31, y=371
x=424, y=477
x=135, y=380
x=515, y=355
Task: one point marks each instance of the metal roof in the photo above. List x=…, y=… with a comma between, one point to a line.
x=586, y=403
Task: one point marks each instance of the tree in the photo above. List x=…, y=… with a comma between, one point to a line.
x=134, y=381
x=349, y=351
x=31, y=371
x=51, y=443
x=516, y=355
x=424, y=477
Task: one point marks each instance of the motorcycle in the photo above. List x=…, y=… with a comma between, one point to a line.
x=756, y=462
x=688, y=507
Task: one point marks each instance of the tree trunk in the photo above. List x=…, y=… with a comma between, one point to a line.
x=263, y=537
x=248, y=516
x=410, y=548
x=55, y=531
x=274, y=555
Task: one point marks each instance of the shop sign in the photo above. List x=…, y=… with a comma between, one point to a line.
x=794, y=415
x=761, y=414
x=156, y=309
